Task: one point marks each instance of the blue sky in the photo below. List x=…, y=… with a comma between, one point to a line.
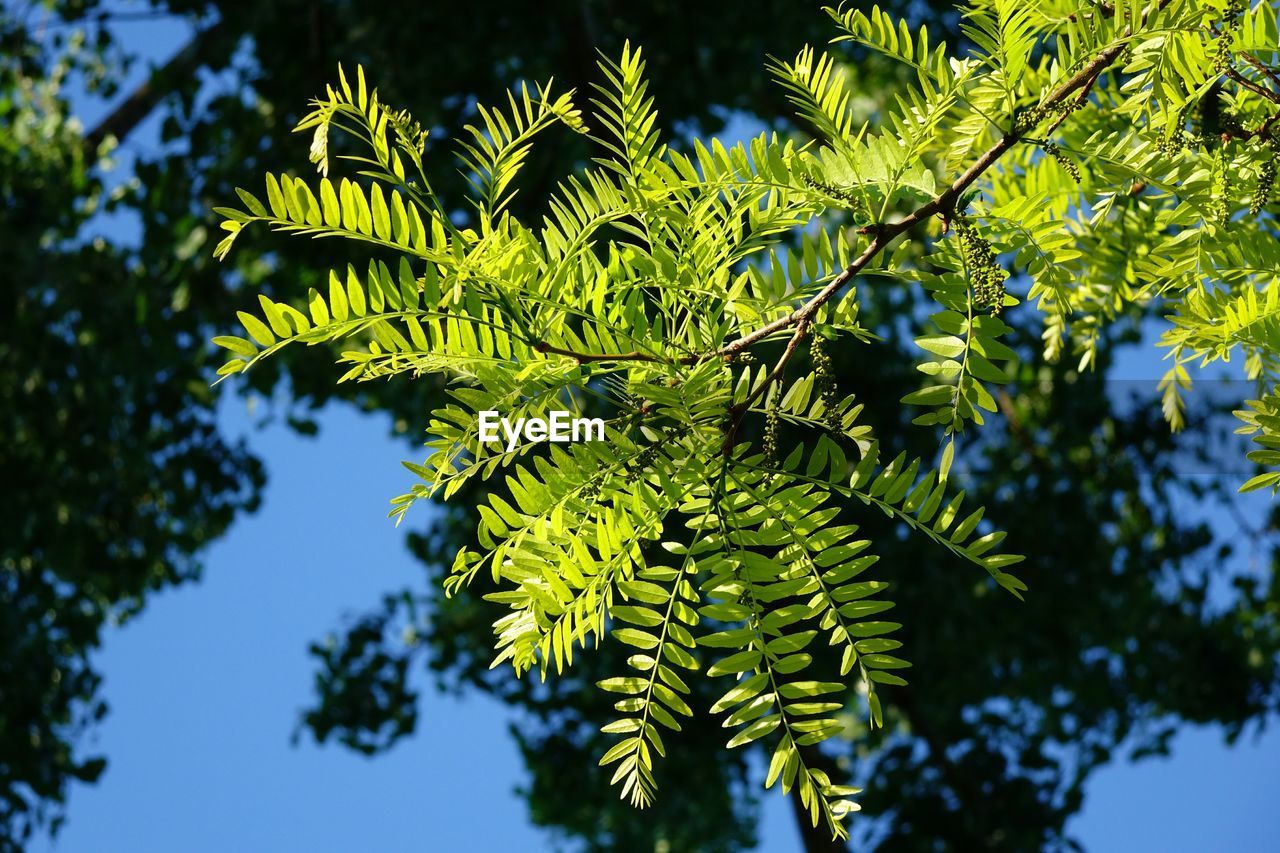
x=206, y=685
x=205, y=688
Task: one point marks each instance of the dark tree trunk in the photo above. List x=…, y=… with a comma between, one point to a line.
x=142, y=100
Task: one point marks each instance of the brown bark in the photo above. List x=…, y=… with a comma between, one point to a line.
x=142, y=100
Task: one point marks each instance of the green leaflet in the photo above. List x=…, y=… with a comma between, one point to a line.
x=687, y=294
x=1262, y=421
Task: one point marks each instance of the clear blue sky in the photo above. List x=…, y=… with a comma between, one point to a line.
x=206, y=685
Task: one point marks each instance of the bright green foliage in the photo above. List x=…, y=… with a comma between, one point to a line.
x=1262, y=421
x=657, y=279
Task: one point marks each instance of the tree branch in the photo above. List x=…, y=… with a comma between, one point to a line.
x=738, y=410
x=1261, y=66
x=1078, y=84
x=944, y=204
x=159, y=84
x=802, y=329
x=1242, y=80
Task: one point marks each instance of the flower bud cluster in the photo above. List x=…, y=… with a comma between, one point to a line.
x=770, y=445
x=1221, y=211
x=851, y=200
x=985, y=272
x=638, y=466
x=1030, y=118
x=826, y=382
x=1230, y=23
x=1266, y=182
x=1068, y=165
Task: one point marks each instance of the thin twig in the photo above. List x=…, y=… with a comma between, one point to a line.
x=739, y=410
x=944, y=204
x=1242, y=80
x=1261, y=66
x=1262, y=131
x=802, y=329
x=1079, y=83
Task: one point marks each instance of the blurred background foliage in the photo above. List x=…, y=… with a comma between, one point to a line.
x=1144, y=613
